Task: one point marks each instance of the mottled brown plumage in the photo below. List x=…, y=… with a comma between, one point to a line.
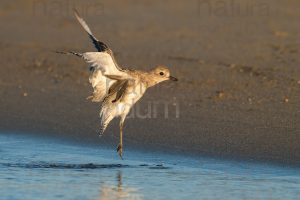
x=117, y=89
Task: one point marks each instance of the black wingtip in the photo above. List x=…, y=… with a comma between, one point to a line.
x=60, y=52
x=69, y=53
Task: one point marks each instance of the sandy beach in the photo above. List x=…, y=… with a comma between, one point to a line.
x=238, y=94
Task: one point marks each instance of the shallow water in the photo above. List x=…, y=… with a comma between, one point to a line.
x=35, y=168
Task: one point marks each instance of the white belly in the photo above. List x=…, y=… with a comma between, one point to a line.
x=132, y=95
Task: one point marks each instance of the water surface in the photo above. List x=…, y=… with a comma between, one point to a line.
x=35, y=168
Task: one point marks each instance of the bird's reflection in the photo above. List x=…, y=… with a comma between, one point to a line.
x=119, y=178
x=118, y=191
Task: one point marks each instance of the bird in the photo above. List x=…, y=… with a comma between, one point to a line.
x=116, y=88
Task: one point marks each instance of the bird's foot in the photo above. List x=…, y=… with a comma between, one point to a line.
x=120, y=151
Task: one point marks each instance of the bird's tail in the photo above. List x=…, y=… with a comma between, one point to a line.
x=70, y=53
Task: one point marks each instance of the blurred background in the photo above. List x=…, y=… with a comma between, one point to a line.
x=237, y=62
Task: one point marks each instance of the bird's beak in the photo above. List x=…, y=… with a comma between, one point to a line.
x=172, y=78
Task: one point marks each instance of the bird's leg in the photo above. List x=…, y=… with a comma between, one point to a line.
x=120, y=146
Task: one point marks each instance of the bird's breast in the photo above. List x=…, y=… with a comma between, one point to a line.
x=134, y=92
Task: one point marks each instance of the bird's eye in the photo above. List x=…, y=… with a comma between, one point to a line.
x=161, y=73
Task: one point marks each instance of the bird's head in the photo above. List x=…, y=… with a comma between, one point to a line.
x=161, y=73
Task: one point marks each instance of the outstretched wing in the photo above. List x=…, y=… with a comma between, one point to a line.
x=103, y=65
x=100, y=46
x=104, y=73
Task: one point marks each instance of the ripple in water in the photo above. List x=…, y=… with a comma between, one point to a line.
x=46, y=165
x=64, y=166
x=32, y=168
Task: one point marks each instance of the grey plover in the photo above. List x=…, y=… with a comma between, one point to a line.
x=116, y=88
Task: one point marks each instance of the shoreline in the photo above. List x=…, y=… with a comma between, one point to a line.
x=238, y=94
x=135, y=154
x=51, y=169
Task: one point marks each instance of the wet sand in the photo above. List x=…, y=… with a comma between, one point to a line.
x=239, y=90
